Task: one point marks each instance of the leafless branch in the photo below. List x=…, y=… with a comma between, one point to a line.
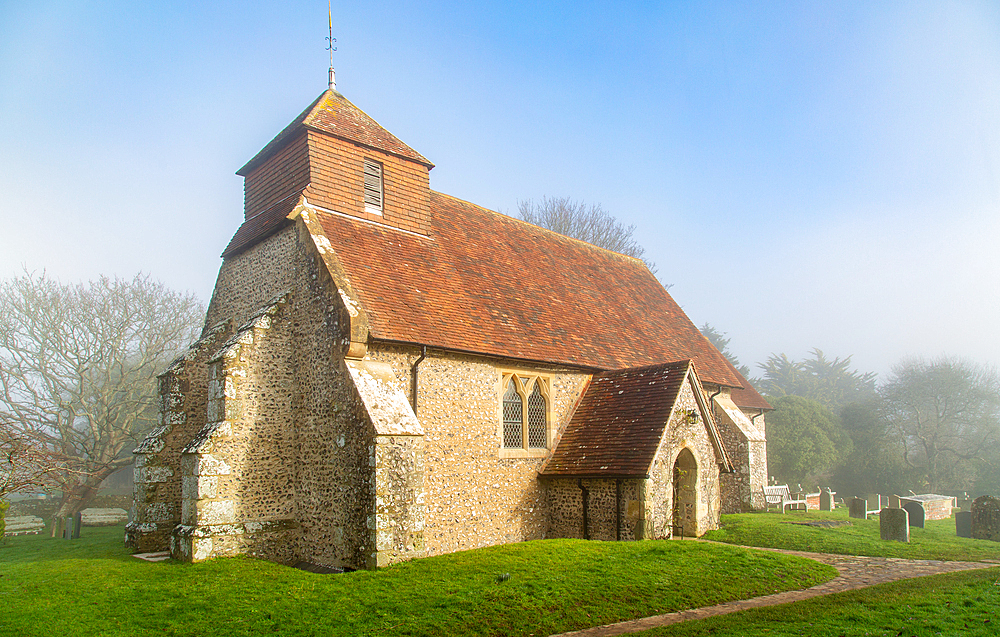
x=78, y=365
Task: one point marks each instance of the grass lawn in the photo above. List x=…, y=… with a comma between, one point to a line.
x=937, y=541
x=954, y=604
x=92, y=586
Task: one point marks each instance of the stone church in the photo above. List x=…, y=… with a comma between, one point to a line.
x=388, y=372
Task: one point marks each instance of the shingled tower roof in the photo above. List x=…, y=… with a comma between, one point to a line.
x=334, y=114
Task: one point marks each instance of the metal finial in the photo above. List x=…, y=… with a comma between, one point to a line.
x=329, y=47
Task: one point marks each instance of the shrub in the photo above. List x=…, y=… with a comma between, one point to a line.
x=3, y=516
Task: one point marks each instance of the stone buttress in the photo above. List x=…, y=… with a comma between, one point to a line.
x=237, y=489
x=183, y=398
x=294, y=448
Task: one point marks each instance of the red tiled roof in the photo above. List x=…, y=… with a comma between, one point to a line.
x=747, y=396
x=487, y=283
x=261, y=225
x=617, y=426
x=334, y=114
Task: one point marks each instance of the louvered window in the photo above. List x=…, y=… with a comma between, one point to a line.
x=373, y=187
x=525, y=412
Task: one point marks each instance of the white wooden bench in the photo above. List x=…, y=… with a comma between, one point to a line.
x=875, y=503
x=778, y=496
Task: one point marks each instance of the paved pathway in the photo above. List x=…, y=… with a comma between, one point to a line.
x=855, y=572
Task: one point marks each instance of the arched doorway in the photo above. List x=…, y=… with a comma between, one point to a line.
x=686, y=494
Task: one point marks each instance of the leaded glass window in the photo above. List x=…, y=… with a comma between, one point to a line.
x=525, y=412
x=536, y=419
x=513, y=418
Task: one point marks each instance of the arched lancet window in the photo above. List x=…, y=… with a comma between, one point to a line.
x=525, y=412
x=513, y=416
x=536, y=419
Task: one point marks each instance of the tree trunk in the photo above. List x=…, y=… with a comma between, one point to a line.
x=76, y=497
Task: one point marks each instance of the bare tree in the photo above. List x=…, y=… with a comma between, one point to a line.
x=78, y=366
x=24, y=465
x=947, y=414
x=586, y=222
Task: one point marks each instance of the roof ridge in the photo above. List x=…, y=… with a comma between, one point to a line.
x=687, y=363
x=284, y=133
x=543, y=229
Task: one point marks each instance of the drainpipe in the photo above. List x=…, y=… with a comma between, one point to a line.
x=711, y=398
x=618, y=509
x=416, y=363
x=753, y=419
x=585, y=493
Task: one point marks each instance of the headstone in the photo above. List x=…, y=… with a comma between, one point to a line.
x=858, y=508
x=986, y=518
x=894, y=524
x=894, y=502
x=916, y=513
x=965, y=502
x=874, y=501
x=963, y=524
x=825, y=500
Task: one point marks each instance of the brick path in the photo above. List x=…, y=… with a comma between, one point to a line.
x=855, y=572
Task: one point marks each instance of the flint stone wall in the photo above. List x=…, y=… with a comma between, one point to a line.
x=253, y=278
x=473, y=497
x=334, y=476
x=183, y=396
x=294, y=480
x=238, y=494
x=742, y=491
x=691, y=435
x=565, y=499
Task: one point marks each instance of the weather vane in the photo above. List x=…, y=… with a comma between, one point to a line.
x=329, y=47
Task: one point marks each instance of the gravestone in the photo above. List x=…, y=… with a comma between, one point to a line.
x=894, y=502
x=874, y=501
x=965, y=502
x=894, y=524
x=858, y=508
x=825, y=499
x=963, y=524
x=986, y=518
x=916, y=513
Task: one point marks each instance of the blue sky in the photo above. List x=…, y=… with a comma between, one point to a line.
x=822, y=174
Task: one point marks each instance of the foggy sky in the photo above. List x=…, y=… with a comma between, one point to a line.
x=804, y=174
